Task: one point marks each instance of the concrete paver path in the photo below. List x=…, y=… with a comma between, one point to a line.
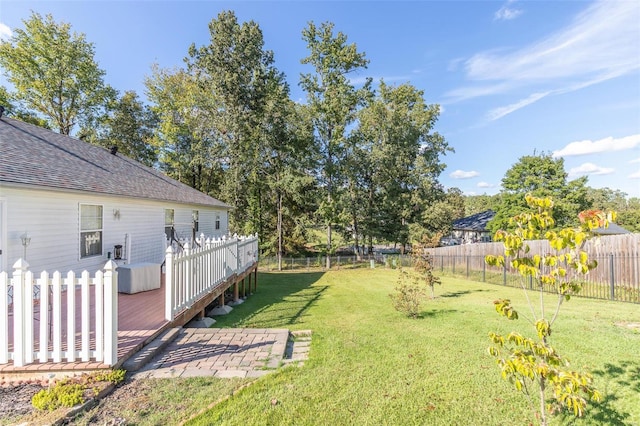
x=220, y=352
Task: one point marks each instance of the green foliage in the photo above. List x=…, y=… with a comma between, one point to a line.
x=54, y=72
x=627, y=209
x=65, y=393
x=528, y=363
x=129, y=125
x=423, y=267
x=333, y=102
x=71, y=391
x=111, y=376
x=541, y=176
x=410, y=291
x=409, y=294
x=478, y=203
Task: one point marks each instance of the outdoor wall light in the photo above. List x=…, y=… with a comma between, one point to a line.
x=26, y=240
x=116, y=213
x=117, y=251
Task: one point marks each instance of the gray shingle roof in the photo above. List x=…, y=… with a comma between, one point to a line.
x=612, y=229
x=33, y=155
x=476, y=222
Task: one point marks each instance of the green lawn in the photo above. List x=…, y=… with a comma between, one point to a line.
x=371, y=365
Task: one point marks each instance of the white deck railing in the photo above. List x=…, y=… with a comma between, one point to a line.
x=61, y=332
x=194, y=272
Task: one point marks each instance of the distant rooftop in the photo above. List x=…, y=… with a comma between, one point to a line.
x=476, y=222
x=612, y=229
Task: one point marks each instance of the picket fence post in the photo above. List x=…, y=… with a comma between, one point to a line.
x=19, y=270
x=169, y=289
x=4, y=320
x=111, y=313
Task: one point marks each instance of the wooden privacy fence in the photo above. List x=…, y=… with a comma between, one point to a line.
x=40, y=319
x=194, y=272
x=617, y=276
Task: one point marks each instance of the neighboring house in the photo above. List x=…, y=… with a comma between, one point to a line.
x=472, y=229
x=612, y=229
x=68, y=205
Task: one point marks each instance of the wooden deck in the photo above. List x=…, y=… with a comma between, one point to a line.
x=140, y=320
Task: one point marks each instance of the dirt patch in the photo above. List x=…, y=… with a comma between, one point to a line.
x=16, y=407
x=15, y=401
x=630, y=325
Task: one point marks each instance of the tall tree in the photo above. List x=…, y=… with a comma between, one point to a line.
x=183, y=136
x=129, y=125
x=541, y=176
x=628, y=209
x=478, y=203
x=333, y=101
x=54, y=72
x=402, y=160
x=234, y=71
x=288, y=159
x=14, y=111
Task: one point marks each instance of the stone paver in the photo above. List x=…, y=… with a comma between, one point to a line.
x=223, y=353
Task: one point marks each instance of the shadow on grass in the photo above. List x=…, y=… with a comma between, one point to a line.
x=464, y=292
x=436, y=313
x=282, y=299
x=626, y=374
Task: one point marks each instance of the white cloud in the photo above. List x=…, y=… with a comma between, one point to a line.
x=500, y=112
x=506, y=13
x=589, y=169
x=461, y=174
x=600, y=44
x=5, y=32
x=602, y=145
x=637, y=160
x=600, y=39
x=635, y=175
x=485, y=185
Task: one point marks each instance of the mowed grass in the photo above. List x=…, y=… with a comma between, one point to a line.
x=370, y=365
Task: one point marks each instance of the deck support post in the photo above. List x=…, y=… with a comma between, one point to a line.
x=236, y=291
x=255, y=277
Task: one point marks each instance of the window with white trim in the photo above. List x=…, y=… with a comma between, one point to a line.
x=217, y=222
x=90, y=230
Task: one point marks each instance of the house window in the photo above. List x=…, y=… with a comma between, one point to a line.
x=169, y=215
x=217, y=222
x=90, y=230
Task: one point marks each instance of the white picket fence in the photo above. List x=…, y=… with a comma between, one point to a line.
x=50, y=318
x=193, y=272
x=52, y=302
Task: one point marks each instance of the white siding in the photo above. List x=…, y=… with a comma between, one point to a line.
x=52, y=220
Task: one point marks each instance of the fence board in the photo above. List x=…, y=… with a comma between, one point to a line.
x=25, y=300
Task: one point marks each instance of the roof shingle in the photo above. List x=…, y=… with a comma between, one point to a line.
x=32, y=155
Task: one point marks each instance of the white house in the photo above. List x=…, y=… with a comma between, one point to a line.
x=69, y=205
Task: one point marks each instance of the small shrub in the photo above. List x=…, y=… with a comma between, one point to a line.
x=62, y=394
x=71, y=392
x=111, y=376
x=409, y=295
x=422, y=266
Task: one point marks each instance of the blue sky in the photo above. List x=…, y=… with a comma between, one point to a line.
x=513, y=78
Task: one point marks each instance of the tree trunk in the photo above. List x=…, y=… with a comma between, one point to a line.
x=279, y=230
x=543, y=413
x=328, y=246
